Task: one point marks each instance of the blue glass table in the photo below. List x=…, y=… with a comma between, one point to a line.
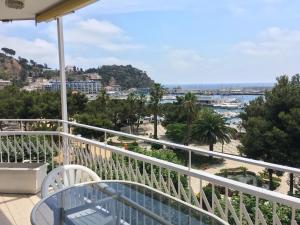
x=110, y=203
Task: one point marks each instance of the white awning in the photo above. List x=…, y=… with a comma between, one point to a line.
x=39, y=10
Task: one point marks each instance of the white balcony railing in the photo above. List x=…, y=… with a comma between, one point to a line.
x=228, y=199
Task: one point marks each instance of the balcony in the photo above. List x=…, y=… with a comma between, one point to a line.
x=29, y=141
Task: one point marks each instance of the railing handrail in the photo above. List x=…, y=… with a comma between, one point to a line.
x=198, y=150
x=193, y=149
x=30, y=120
x=202, y=175
x=8, y=133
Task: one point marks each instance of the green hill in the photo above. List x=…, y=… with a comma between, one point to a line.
x=18, y=69
x=125, y=76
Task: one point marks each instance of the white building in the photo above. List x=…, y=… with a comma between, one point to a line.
x=4, y=83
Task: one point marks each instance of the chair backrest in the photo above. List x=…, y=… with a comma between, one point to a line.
x=65, y=176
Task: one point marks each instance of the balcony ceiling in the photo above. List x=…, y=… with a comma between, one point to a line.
x=41, y=10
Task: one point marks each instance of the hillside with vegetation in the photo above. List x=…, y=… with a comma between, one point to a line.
x=125, y=76
x=19, y=69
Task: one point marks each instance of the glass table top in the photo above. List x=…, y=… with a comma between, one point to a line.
x=116, y=203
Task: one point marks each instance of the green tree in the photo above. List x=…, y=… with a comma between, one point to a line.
x=8, y=51
x=156, y=94
x=99, y=120
x=272, y=126
x=76, y=103
x=189, y=102
x=210, y=128
x=176, y=132
x=100, y=104
x=141, y=110
x=132, y=101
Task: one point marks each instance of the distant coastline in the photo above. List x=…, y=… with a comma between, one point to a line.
x=219, y=86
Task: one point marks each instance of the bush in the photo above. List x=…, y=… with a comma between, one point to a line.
x=132, y=146
x=156, y=146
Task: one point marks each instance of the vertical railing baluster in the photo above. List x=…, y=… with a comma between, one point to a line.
x=226, y=203
x=37, y=149
x=29, y=141
x=129, y=163
x=213, y=198
x=293, y=219
x=60, y=149
x=151, y=176
x=1, y=156
x=8, y=152
x=178, y=186
x=22, y=146
x=169, y=182
x=256, y=209
x=144, y=173
x=52, y=151
x=201, y=197
x=110, y=165
x=241, y=206
x=105, y=162
x=101, y=162
x=123, y=166
x=45, y=149
x=15, y=149
x=274, y=213
x=159, y=183
x=190, y=178
x=136, y=171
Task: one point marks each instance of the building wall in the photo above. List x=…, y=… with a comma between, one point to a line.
x=87, y=87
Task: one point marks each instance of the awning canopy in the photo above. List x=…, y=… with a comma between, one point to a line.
x=39, y=10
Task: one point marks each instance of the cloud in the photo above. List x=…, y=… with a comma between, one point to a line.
x=100, y=27
x=83, y=40
x=99, y=34
x=38, y=49
x=273, y=52
x=271, y=41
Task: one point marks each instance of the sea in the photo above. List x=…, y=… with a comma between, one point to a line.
x=219, y=86
x=231, y=115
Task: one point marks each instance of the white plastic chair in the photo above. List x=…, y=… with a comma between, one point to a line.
x=65, y=176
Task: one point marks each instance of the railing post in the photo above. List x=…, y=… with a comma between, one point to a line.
x=63, y=88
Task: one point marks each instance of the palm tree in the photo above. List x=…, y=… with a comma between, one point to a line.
x=156, y=94
x=211, y=128
x=189, y=102
x=131, y=100
x=141, y=110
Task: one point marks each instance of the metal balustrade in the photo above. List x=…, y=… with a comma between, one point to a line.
x=31, y=146
x=227, y=198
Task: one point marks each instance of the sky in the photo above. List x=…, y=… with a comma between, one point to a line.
x=174, y=41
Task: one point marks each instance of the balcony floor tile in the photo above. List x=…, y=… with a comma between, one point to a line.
x=15, y=209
